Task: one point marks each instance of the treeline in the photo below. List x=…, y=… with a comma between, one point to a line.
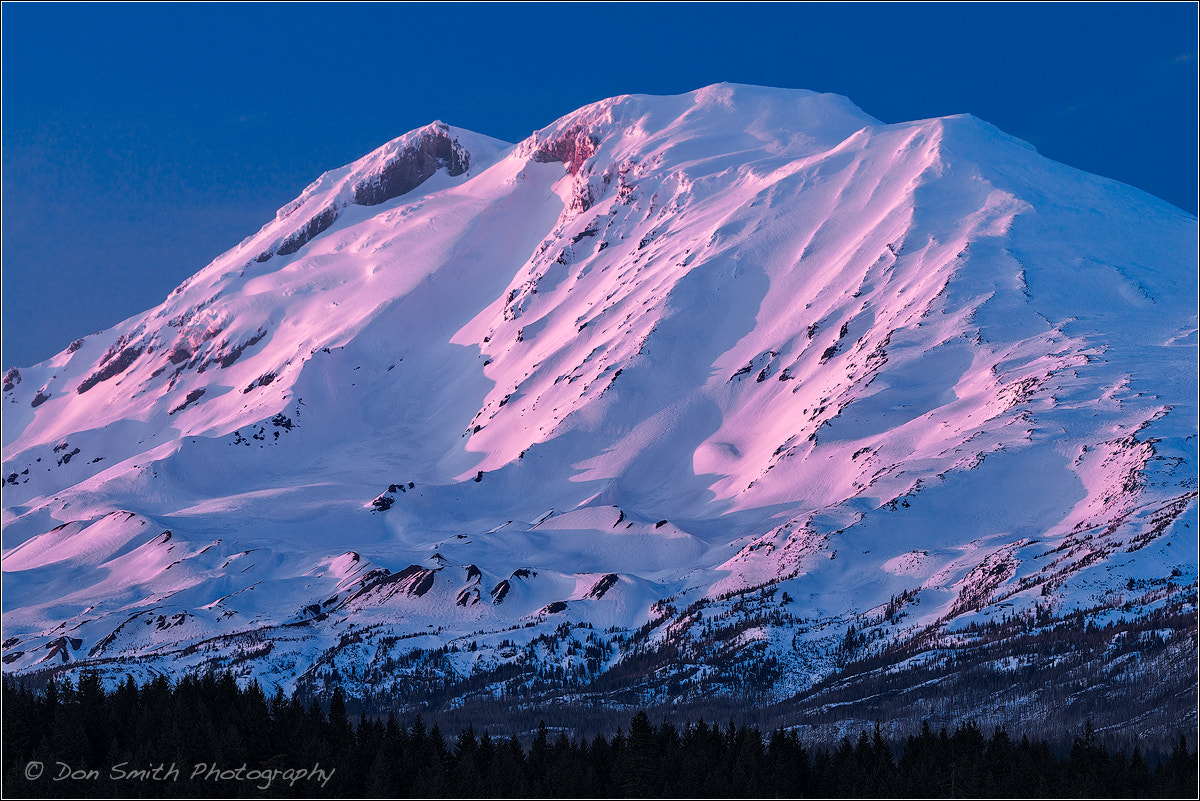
x=209, y=737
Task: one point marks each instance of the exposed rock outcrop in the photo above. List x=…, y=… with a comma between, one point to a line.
x=311, y=229
x=412, y=166
x=401, y=173
x=572, y=147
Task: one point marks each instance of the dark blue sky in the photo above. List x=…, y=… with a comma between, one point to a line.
x=140, y=141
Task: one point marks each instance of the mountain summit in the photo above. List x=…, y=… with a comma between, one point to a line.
x=735, y=394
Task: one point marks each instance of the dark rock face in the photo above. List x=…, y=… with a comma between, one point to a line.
x=112, y=367
x=310, y=231
x=192, y=397
x=415, y=580
x=411, y=167
x=179, y=355
x=262, y=381
x=602, y=586
x=404, y=172
x=11, y=378
x=499, y=591
x=227, y=358
x=572, y=147
x=62, y=648
x=39, y=399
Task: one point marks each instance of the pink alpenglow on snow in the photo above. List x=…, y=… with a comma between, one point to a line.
x=743, y=355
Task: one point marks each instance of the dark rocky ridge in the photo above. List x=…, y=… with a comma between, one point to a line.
x=407, y=169
x=572, y=147
x=401, y=174
x=112, y=367
x=306, y=234
x=411, y=167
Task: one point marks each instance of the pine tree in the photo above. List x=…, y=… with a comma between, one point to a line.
x=465, y=778
x=506, y=777
x=639, y=766
x=538, y=762
x=1087, y=764
x=1176, y=775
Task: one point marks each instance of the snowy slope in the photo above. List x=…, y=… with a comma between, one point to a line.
x=665, y=351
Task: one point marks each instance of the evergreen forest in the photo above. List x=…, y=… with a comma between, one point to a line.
x=208, y=737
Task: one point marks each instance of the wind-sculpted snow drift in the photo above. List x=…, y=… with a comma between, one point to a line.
x=740, y=393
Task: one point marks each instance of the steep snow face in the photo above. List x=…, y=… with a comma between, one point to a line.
x=666, y=350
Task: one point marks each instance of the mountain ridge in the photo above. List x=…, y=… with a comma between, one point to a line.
x=664, y=352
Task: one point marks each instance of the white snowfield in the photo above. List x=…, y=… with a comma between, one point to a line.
x=665, y=350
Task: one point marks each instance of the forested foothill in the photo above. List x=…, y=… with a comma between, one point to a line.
x=209, y=737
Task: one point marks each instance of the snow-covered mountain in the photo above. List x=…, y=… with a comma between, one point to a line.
x=738, y=393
